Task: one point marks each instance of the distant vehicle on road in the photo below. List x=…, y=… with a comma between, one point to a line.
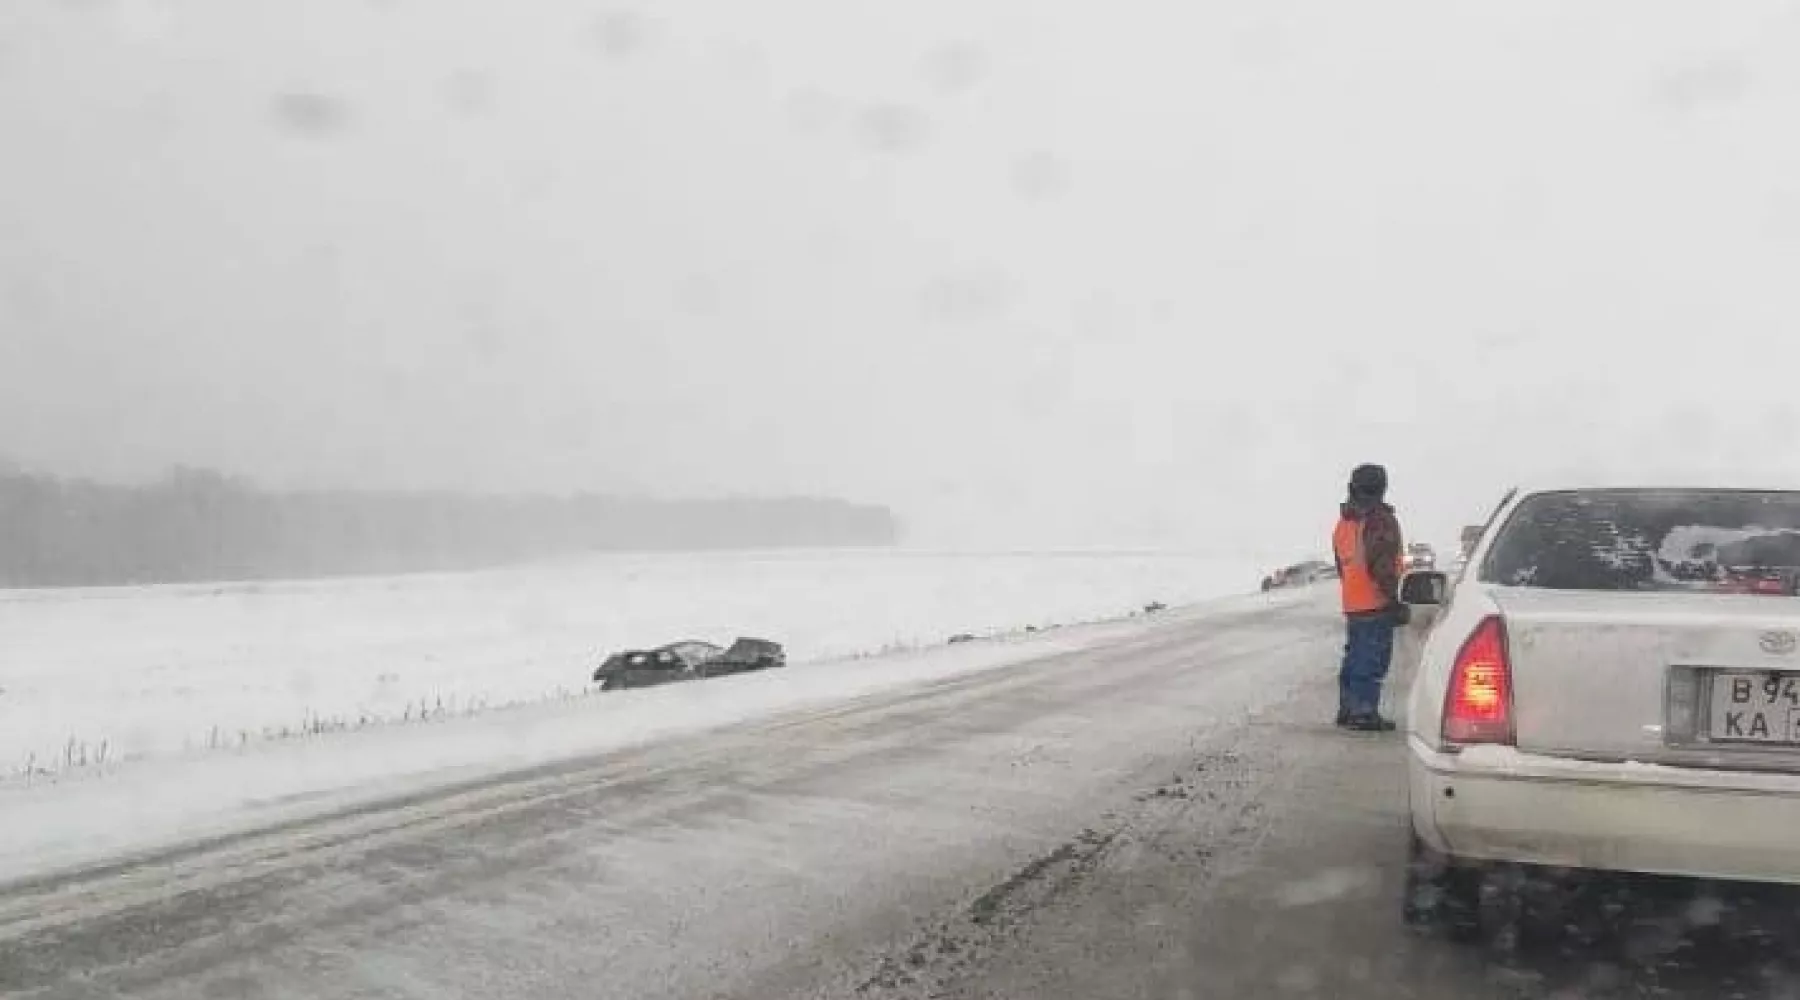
x=1420, y=555
x=1615, y=687
x=686, y=661
x=1471, y=536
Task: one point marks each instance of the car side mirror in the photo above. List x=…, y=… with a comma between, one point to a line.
x=1424, y=587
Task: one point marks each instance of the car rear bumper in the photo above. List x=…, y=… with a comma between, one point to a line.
x=1497, y=804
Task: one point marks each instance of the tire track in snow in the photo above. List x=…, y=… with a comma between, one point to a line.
x=1217, y=790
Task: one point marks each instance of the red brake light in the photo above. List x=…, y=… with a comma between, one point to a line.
x=1478, y=706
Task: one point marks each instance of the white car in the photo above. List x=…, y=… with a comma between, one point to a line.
x=1612, y=683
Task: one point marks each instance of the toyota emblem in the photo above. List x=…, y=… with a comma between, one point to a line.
x=1778, y=643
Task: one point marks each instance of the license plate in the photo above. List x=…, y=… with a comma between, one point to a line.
x=1755, y=707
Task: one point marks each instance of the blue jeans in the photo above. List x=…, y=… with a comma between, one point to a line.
x=1368, y=649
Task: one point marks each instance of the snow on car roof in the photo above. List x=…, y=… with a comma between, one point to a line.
x=1698, y=482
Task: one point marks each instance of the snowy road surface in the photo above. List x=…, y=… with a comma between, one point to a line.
x=1165, y=816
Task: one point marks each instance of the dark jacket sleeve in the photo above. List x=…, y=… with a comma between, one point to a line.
x=1381, y=547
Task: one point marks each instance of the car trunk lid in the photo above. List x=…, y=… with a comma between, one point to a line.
x=1653, y=675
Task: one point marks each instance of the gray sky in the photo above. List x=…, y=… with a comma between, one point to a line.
x=1032, y=271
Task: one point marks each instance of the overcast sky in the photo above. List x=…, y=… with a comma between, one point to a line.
x=1031, y=271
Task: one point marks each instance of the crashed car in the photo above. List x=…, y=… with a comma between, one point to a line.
x=744, y=655
x=686, y=661
x=1300, y=574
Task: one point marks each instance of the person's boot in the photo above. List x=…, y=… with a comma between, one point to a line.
x=1370, y=723
x=1343, y=717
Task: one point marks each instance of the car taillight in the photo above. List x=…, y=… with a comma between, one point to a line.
x=1478, y=706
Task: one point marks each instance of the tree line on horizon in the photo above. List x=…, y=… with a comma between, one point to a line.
x=196, y=525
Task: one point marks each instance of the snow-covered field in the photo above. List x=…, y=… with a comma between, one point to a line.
x=91, y=678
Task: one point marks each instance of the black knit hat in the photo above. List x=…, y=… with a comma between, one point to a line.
x=1368, y=481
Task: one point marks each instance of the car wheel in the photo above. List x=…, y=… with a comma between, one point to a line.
x=1441, y=895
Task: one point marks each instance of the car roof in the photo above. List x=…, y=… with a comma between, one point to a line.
x=1592, y=483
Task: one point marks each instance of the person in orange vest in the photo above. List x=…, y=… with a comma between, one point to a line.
x=1370, y=560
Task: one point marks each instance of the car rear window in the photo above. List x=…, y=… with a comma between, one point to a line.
x=1723, y=541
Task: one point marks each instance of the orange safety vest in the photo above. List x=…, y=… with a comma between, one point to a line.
x=1354, y=580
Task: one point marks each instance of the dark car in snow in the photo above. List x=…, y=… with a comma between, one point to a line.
x=1300, y=574
x=744, y=655
x=686, y=661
